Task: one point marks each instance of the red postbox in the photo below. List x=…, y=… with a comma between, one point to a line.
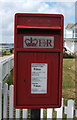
x=38, y=56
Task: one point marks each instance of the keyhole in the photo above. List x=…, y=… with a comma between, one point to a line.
x=24, y=80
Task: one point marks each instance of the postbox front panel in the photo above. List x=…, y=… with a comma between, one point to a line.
x=38, y=61
x=37, y=79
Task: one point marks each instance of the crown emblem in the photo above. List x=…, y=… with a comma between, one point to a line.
x=31, y=42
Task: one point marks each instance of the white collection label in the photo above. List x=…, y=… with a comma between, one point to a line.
x=39, y=78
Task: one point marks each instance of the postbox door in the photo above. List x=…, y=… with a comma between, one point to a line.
x=49, y=91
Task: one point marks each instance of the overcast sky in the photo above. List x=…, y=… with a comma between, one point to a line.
x=8, y=8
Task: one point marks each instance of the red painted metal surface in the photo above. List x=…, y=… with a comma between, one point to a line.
x=50, y=25
x=38, y=27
